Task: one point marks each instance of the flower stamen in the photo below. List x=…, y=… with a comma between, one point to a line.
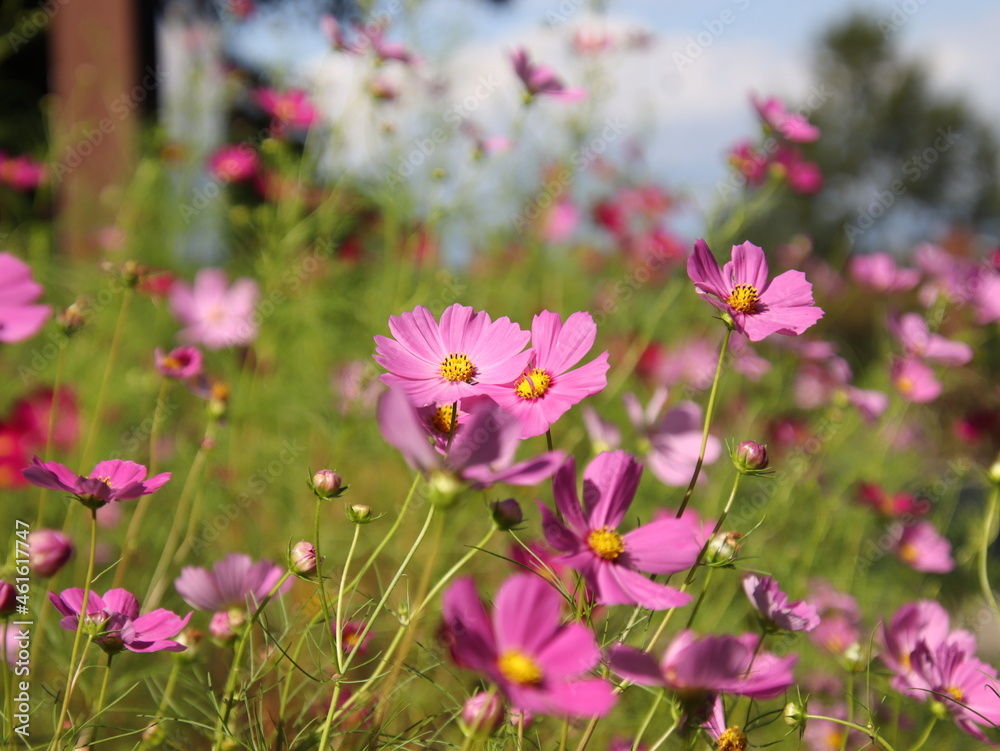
x=607, y=543
x=441, y=421
x=743, y=298
x=458, y=367
x=519, y=668
x=533, y=384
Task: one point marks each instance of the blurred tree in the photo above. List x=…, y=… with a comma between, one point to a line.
x=901, y=161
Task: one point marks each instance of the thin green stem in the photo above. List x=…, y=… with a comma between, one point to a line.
x=708, y=421
x=78, y=639
x=388, y=535
x=168, y=691
x=548, y=438
x=321, y=584
x=53, y=411
x=645, y=723
x=101, y=698
x=989, y=533
x=869, y=731
x=925, y=735
x=701, y=598
x=663, y=738
x=339, y=612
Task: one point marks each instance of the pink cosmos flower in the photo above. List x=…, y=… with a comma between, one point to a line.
x=213, y=313
x=789, y=125
x=987, y=298
x=604, y=435
x=890, y=506
x=870, y=403
x=22, y=173
x=437, y=363
x=561, y=222
x=539, y=79
x=774, y=608
x=613, y=563
x=698, y=669
x=923, y=621
x=30, y=418
x=535, y=660
x=110, y=482
x=758, y=307
x=914, y=381
x=183, y=363
x=48, y=551
x=20, y=318
x=482, y=450
x=115, y=622
x=921, y=548
x=913, y=333
x=750, y=162
x=389, y=50
x=879, y=272
x=235, y=582
x=804, y=178
x=547, y=388
x=234, y=163
x=292, y=107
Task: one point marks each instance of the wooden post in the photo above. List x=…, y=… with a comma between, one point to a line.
x=93, y=50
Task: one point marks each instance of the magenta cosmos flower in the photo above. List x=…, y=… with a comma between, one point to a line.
x=234, y=163
x=291, y=107
x=182, y=363
x=789, y=125
x=111, y=481
x=235, y=582
x=921, y=548
x=113, y=621
x=536, y=661
x=914, y=381
x=922, y=621
x=775, y=610
x=20, y=318
x=547, y=388
x=914, y=334
x=613, y=563
x=758, y=307
x=539, y=79
x=213, y=313
x=432, y=362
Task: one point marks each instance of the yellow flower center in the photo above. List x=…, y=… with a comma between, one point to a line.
x=908, y=553
x=456, y=367
x=518, y=668
x=732, y=740
x=441, y=422
x=106, y=480
x=171, y=362
x=533, y=384
x=607, y=543
x=904, y=384
x=743, y=299
x=956, y=692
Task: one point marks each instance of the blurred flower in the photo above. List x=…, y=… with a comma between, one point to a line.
x=613, y=563
x=878, y=272
x=483, y=711
x=921, y=548
x=388, y=50
x=789, y=125
x=213, y=313
x=913, y=333
x=774, y=608
x=591, y=40
x=914, y=381
x=804, y=178
x=8, y=599
x=535, y=660
x=235, y=582
x=539, y=79
x=292, y=108
x=31, y=415
x=22, y=173
x=560, y=222
x=433, y=362
x=923, y=621
x=13, y=456
x=900, y=504
x=547, y=388
x=604, y=435
x=674, y=440
x=114, y=623
x=823, y=735
x=234, y=163
x=20, y=318
x=48, y=551
x=183, y=363
x=750, y=162
x=351, y=636
x=110, y=482
x=758, y=307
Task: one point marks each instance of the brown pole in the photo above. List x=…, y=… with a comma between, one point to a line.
x=93, y=49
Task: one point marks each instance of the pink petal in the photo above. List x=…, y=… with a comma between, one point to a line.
x=638, y=667
x=526, y=614
x=571, y=652
x=609, y=485
x=561, y=346
x=704, y=271
x=665, y=546
x=749, y=266
x=648, y=594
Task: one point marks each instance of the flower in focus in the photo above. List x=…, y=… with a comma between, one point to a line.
x=547, y=388
x=536, y=661
x=758, y=307
x=213, y=313
x=234, y=583
x=113, y=621
x=20, y=318
x=539, y=79
x=111, y=481
x=921, y=548
x=774, y=608
x=182, y=363
x=613, y=563
x=445, y=362
x=789, y=125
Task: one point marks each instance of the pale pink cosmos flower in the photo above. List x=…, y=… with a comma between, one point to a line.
x=111, y=481
x=115, y=621
x=546, y=389
x=561, y=222
x=922, y=548
x=758, y=306
x=234, y=163
x=987, y=298
x=20, y=318
x=292, y=108
x=914, y=381
x=213, y=313
x=773, y=606
x=389, y=50
x=879, y=272
x=539, y=664
x=443, y=362
x=613, y=563
x=541, y=80
x=604, y=435
x=913, y=333
x=789, y=125
x=870, y=403
x=235, y=582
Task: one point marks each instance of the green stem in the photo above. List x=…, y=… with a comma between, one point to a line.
x=78, y=639
x=701, y=598
x=663, y=738
x=645, y=723
x=53, y=410
x=339, y=612
x=925, y=735
x=869, y=731
x=388, y=535
x=989, y=533
x=101, y=698
x=708, y=421
x=323, y=602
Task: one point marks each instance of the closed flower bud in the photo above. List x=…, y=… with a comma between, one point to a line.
x=482, y=714
x=507, y=514
x=445, y=488
x=8, y=599
x=795, y=714
x=327, y=484
x=723, y=548
x=225, y=624
x=302, y=559
x=359, y=513
x=750, y=458
x=48, y=551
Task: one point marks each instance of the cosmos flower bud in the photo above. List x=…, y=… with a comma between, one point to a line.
x=73, y=318
x=795, y=714
x=445, y=488
x=190, y=638
x=483, y=714
x=359, y=513
x=8, y=599
x=218, y=400
x=225, y=624
x=326, y=484
x=723, y=548
x=750, y=458
x=302, y=559
x=507, y=514
x=48, y=551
